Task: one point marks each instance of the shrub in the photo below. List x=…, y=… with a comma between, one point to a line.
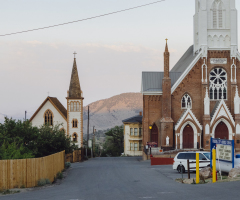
x=22, y=186
x=47, y=181
x=59, y=175
x=67, y=165
x=41, y=182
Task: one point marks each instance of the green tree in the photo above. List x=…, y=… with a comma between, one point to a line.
x=51, y=140
x=26, y=141
x=113, y=145
x=12, y=151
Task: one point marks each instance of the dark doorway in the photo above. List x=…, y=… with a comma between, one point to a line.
x=154, y=134
x=188, y=140
x=221, y=131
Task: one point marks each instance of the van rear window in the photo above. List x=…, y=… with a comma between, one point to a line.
x=181, y=156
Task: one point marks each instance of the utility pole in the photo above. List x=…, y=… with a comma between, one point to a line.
x=87, y=130
x=93, y=140
x=25, y=115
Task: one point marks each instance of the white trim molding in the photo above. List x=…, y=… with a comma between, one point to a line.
x=222, y=110
x=194, y=132
x=188, y=115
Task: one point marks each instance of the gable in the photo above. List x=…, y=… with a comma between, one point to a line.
x=39, y=119
x=222, y=111
x=56, y=104
x=187, y=115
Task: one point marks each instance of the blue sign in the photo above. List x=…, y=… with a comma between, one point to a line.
x=224, y=150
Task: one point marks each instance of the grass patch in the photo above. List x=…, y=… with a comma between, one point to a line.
x=42, y=182
x=67, y=165
x=5, y=192
x=59, y=175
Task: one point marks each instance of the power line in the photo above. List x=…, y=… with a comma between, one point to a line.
x=83, y=19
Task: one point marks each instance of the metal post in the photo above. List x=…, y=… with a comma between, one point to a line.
x=25, y=115
x=197, y=168
x=188, y=169
x=214, y=165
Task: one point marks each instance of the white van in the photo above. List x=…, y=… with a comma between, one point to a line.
x=227, y=166
x=180, y=160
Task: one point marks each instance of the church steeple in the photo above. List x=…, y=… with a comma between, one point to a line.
x=166, y=61
x=74, y=88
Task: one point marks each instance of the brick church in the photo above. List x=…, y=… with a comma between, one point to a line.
x=199, y=97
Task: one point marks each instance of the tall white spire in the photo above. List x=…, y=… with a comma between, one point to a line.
x=206, y=103
x=236, y=101
x=215, y=25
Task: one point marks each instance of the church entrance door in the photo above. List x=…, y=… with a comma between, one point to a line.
x=221, y=131
x=188, y=138
x=154, y=134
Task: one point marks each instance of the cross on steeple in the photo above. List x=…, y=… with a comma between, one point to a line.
x=166, y=40
x=74, y=54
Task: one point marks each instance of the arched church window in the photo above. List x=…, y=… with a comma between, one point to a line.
x=218, y=84
x=75, y=106
x=48, y=118
x=71, y=106
x=214, y=11
x=74, y=123
x=74, y=137
x=62, y=129
x=217, y=14
x=186, y=101
x=78, y=106
x=220, y=15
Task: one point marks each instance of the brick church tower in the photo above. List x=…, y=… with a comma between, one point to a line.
x=166, y=139
x=198, y=99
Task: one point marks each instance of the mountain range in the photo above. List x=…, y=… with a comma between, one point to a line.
x=108, y=113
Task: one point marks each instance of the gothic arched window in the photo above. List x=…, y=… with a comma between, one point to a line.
x=71, y=109
x=48, y=117
x=75, y=106
x=74, y=123
x=218, y=84
x=186, y=101
x=78, y=105
x=217, y=14
x=75, y=137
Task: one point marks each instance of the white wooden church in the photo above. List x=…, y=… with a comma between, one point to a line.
x=52, y=112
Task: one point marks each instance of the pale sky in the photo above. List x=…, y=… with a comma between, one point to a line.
x=112, y=51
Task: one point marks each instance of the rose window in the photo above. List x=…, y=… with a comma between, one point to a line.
x=218, y=84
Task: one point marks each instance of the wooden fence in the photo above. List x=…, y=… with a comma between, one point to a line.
x=76, y=156
x=26, y=172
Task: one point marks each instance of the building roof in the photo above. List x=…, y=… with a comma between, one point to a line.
x=74, y=88
x=152, y=81
x=184, y=61
x=56, y=103
x=135, y=119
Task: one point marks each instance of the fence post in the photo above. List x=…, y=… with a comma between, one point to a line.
x=197, y=168
x=188, y=169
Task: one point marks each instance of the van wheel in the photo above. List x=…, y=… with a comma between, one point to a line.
x=181, y=169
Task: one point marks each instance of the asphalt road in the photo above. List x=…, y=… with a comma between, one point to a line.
x=127, y=178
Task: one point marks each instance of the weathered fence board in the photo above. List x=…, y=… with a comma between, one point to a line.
x=26, y=172
x=75, y=156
